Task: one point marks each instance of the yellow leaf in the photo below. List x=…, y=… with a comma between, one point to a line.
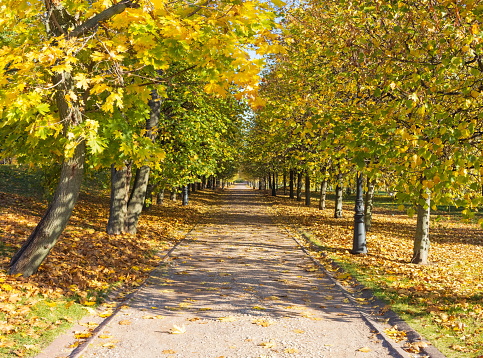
x=82, y=335
x=109, y=345
x=270, y=344
x=364, y=349
x=104, y=336
x=227, y=319
x=125, y=322
x=278, y=3
x=177, y=329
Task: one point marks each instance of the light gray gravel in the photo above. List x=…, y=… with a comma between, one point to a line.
x=239, y=286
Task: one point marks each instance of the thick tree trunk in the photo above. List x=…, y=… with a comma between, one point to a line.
x=33, y=252
x=120, y=180
x=307, y=189
x=338, y=198
x=323, y=194
x=136, y=200
x=299, y=186
x=291, y=183
x=369, y=203
x=421, y=240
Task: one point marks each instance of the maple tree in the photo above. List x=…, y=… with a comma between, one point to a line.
x=77, y=74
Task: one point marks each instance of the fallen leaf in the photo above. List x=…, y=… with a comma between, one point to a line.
x=125, y=322
x=228, y=319
x=269, y=344
x=364, y=349
x=178, y=330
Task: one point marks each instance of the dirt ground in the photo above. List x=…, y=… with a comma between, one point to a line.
x=238, y=286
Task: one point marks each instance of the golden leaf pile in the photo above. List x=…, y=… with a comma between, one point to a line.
x=82, y=267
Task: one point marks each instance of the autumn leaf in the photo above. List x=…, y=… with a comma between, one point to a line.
x=124, y=322
x=364, y=350
x=228, y=319
x=268, y=345
x=178, y=329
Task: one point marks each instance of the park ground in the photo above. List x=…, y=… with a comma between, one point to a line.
x=442, y=301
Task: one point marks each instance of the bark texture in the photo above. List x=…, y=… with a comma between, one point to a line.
x=291, y=183
x=369, y=204
x=47, y=232
x=120, y=179
x=307, y=189
x=338, y=197
x=421, y=240
x=299, y=186
x=323, y=194
x=136, y=200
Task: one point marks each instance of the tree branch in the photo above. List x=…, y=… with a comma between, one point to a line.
x=102, y=16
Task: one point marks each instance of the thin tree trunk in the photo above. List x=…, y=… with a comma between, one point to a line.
x=120, y=180
x=338, y=197
x=284, y=182
x=323, y=194
x=421, y=240
x=160, y=197
x=291, y=183
x=299, y=186
x=307, y=189
x=148, y=200
x=274, y=184
x=172, y=194
x=369, y=203
x=185, y=194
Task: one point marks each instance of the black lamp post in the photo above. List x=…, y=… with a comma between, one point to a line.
x=359, y=241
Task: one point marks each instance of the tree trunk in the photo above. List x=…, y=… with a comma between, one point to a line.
x=274, y=184
x=307, y=189
x=338, y=198
x=421, y=240
x=160, y=197
x=136, y=200
x=284, y=182
x=369, y=203
x=120, y=180
x=47, y=232
x=323, y=194
x=148, y=200
x=172, y=194
x=299, y=186
x=185, y=194
x=291, y=183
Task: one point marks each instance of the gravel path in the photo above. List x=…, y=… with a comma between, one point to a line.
x=239, y=286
